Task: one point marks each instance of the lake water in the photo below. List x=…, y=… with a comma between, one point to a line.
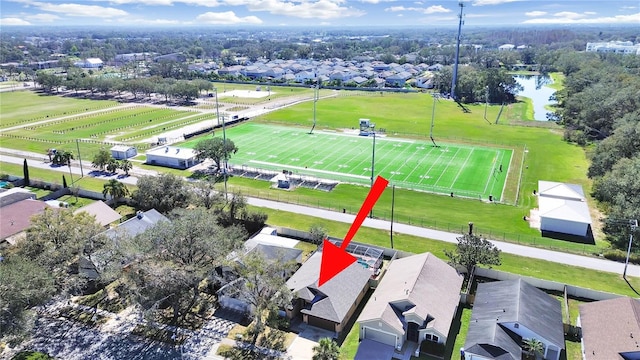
x=535, y=89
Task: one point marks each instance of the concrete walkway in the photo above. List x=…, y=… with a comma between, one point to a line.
x=510, y=248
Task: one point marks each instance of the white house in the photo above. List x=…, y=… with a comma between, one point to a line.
x=120, y=152
x=171, y=156
x=89, y=63
x=563, y=209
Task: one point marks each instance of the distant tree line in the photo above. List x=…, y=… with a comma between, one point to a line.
x=77, y=80
x=600, y=105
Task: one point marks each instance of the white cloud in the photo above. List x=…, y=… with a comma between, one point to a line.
x=313, y=9
x=226, y=18
x=590, y=13
x=535, y=13
x=43, y=17
x=13, y=22
x=159, y=22
x=430, y=10
x=376, y=1
x=629, y=7
x=569, y=15
x=70, y=9
x=491, y=2
x=206, y=3
x=618, y=19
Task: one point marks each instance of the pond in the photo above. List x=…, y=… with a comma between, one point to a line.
x=535, y=89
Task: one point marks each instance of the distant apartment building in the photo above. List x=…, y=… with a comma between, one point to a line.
x=618, y=47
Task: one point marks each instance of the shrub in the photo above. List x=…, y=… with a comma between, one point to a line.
x=621, y=256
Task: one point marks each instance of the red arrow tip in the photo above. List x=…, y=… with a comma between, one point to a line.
x=333, y=261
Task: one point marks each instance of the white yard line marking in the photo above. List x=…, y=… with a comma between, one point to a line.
x=461, y=168
x=446, y=167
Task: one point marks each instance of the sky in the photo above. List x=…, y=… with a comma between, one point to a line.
x=262, y=13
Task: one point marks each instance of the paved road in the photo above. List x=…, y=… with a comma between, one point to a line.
x=510, y=248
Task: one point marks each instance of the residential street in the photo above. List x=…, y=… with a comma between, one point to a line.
x=537, y=253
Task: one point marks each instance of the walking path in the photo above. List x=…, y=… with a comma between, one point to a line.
x=510, y=248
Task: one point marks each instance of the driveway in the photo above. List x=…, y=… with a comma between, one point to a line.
x=302, y=347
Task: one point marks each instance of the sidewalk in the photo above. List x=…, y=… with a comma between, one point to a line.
x=510, y=248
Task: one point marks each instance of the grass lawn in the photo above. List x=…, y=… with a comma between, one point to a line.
x=469, y=171
x=592, y=279
x=39, y=106
x=558, y=80
x=496, y=221
x=464, y=327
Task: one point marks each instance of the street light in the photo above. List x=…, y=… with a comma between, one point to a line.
x=634, y=226
x=373, y=158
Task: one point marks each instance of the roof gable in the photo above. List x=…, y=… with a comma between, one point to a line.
x=513, y=301
x=341, y=291
x=427, y=283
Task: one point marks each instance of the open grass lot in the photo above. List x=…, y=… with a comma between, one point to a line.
x=469, y=171
x=23, y=106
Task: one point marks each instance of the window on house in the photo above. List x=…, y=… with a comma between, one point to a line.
x=428, y=337
x=516, y=325
x=435, y=338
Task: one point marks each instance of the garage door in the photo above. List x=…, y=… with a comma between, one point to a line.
x=379, y=336
x=322, y=323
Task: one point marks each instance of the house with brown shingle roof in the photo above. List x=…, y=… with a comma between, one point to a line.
x=415, y=301
x=610, y=329
x=16, y=218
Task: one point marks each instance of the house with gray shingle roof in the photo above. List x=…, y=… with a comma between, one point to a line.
x=505, y=314
x=610, y=329
x=415, y=301
x=331, y=305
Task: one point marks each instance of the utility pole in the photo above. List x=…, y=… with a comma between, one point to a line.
x=79, y=158
x=634, y=226
x=393, y=203
x=454, y=79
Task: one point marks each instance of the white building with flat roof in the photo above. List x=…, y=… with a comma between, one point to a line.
x=172, y=156
x=618, y=47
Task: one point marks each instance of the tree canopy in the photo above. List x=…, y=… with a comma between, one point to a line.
x=215, y=149
x=164, y=193
x=169, y=262
x=473, y=250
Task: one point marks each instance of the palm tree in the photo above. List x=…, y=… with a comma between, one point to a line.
x=326, y=349
x=534, y=346
x=112, y=165
x=126, y=165
x=115, y=189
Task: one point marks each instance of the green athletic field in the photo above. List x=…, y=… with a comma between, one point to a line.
x=469, y=171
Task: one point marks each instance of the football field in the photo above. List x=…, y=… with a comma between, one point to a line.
x=465, y=170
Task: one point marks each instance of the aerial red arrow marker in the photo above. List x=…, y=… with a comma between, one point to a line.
x=335, y=259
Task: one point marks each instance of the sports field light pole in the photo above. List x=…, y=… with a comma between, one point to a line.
x=372, y=127
x=315, y=100
x=79, y=158
x=634, y=226
x=224, y=169
x=433, y=116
